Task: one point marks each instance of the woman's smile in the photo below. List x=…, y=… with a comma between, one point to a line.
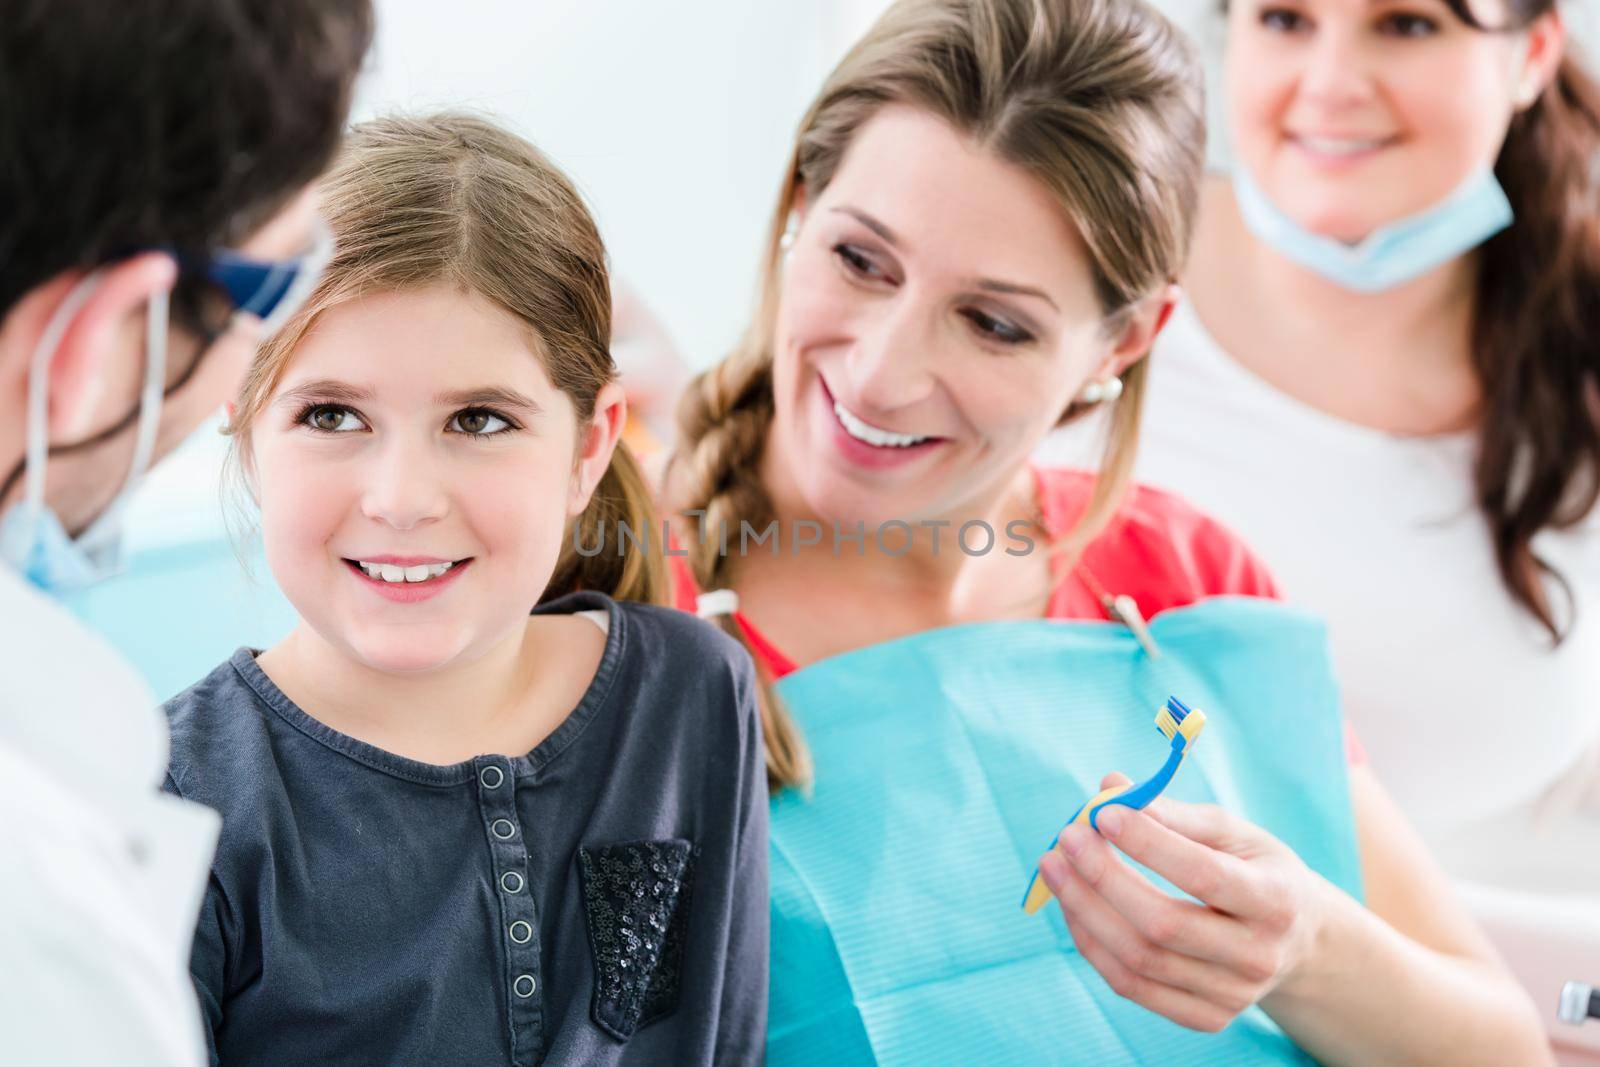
x=864, y=444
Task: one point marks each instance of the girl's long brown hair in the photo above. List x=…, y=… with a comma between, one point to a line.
x=1100, y=100
x=452, y=198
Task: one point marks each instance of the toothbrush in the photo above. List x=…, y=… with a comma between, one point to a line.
x=1181, y=725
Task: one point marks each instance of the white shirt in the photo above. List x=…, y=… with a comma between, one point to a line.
x=101, y=874
x=1486, y=737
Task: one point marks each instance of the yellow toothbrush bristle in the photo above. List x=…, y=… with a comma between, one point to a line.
x=1170, y=727
x=1166, y=723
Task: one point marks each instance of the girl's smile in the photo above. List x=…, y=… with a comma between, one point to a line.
x=406, y=579
x=415, y=469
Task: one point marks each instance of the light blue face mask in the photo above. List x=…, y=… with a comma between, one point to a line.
x=1393, y=253
x=32, y=538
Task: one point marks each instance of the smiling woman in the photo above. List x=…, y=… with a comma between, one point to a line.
x=976, y=239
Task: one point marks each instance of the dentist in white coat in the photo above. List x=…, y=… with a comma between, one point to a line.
x=149, y=234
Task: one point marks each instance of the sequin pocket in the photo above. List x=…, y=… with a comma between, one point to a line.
x=637, y=898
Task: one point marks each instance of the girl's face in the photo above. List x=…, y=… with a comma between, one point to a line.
x=416, y=470
x=937, y=314
x=1353, y=113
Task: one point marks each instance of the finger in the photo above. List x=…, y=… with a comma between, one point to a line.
x=1115, y=778
x=1208, y=824
x=1223, y=881
x=1133, y=951
x=1164, y=922
x=1182, y=1007
x=1181, y=925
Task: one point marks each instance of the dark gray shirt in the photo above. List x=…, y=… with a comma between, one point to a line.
x=599, y=900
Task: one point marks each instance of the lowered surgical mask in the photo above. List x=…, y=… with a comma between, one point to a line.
x=32, y=537
x=1393, y=253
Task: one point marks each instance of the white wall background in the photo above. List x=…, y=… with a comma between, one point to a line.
x=1203, y=22
x=674, y=118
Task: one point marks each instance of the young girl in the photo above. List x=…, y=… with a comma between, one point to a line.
x=454, y=832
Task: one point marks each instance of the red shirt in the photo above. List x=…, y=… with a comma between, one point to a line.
x=1158, y=550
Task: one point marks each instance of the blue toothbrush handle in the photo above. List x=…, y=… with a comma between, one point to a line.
x=1142, y=794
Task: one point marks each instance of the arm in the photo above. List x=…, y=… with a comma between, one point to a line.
x=1416, y=971
x=208, y=967
x=1409, y=981
x=742, y=1033
x=208, y=955
x=1547, y=941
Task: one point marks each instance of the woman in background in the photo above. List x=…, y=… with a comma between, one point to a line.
x=1387, y=379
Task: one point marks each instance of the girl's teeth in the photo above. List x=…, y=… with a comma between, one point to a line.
x=388, y=572
x=863, y=431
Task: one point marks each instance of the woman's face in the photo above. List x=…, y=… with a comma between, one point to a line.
x=416, y=470
x=937, y=315
x=1353, y=113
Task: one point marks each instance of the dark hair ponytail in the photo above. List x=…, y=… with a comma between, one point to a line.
x=1536, y=334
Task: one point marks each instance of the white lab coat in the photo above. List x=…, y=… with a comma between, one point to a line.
x=101, y=874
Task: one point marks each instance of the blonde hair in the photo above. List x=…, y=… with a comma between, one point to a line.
x=452, y=198
x=1099, y=100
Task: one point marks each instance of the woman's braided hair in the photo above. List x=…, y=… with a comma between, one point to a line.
x=1100, y=100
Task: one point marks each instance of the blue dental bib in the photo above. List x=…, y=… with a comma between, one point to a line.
x=945, y=762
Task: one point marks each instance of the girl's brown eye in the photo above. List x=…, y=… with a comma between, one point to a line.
x=479, y=422
x=329, y=419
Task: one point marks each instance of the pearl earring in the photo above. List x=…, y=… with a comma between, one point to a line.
x=1096, y=392
x=791, y=230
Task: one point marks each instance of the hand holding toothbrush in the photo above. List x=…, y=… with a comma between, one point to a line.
x=1198, y=964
